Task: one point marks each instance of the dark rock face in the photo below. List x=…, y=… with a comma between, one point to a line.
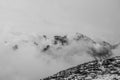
x=15, y=47
x=91, y=70
x=60, y=39
x=46, y=48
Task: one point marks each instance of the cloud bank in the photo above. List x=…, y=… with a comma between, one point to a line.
x=28, y=57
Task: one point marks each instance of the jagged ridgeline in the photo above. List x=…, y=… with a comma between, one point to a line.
x=97, y=50
x=93, y=70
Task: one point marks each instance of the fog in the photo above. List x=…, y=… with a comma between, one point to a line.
x=27, y=62
x=23, y=20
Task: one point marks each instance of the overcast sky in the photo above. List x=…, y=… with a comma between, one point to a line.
x=92, y=17
x=98, y=19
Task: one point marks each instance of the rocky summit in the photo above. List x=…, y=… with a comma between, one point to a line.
x=108, y=69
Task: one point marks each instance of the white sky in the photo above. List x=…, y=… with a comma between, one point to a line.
x=92, y=17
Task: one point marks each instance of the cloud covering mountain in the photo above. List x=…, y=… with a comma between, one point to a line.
x=34, y=56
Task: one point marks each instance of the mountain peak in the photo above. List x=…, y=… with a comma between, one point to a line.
x=79, y=36
x=64, y=43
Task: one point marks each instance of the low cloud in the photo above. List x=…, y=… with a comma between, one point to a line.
x=28, y=62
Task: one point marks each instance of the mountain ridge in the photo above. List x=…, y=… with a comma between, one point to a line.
x=97, y=50
x=91, y=70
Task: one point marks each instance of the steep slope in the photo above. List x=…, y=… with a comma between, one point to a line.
x=93, y=70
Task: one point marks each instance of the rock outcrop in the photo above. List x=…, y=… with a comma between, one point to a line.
x=109, y=69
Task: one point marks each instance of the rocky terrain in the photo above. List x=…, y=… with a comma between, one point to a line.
x=109, y=69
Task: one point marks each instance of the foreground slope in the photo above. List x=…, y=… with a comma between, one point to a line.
x=93, y=70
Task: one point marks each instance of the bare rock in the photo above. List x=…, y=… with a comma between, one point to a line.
x=109, y=69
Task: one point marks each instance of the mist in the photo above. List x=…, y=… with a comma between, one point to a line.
x=21, y=59
x=22, y=21
x=27, y=62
